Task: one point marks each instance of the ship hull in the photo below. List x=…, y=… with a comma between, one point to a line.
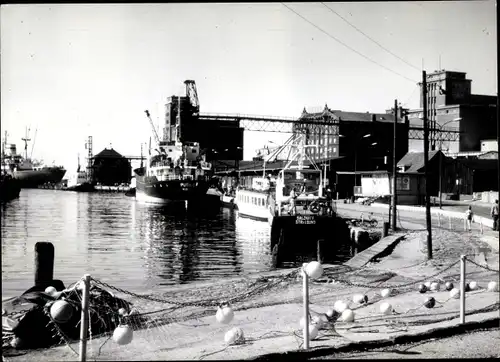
x=9, y=189
x=35, y=178
x=151, y=190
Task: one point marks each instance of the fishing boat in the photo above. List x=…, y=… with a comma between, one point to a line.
x=28, y=172
x=271, y=196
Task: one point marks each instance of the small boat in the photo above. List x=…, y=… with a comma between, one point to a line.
x=79, y=181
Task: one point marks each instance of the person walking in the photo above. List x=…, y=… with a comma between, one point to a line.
x=468, y=217
x=494, y=215
x=293, y=207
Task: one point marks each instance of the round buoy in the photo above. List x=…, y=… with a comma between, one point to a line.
x=318, y=320
x=234, y=336
x=314, y=270
x=122, y=311
x=427, y=285
x=422, y=288
x=61, y=311
x=224, y=314
x=435, y=287
x=340, y=306
x=386, y=308
x=17, y=343
x=313, y=331
x=455, y=293
x=473, y=285
x=386, y=292
x=430, y=302
x=449, y=286
x=50, y=290
x=492, y=286
x=360, y=298
x=123, y=334
x=348, y=316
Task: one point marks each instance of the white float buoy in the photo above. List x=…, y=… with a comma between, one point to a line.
x=340, y=306
x=435, y=287
x=492, y=286
x=455, y=293
x=313, y=331
x=224, y=314
x=123, y=334
x=348, y=316
x=386, y=292
x=234, y=336
x=473, y=285
x=314, y=270
x=61, y=311
x=449, y=286
x=386, y=308
x=122, y=311
x=318, y=320
x=50, y=290
x=360, y=298
x=427, y=285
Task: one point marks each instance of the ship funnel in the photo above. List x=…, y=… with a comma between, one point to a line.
x=13, y=150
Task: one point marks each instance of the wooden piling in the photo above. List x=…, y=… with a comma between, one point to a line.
x=44, y=262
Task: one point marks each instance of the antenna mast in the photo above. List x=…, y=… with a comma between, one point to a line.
x=26, y=139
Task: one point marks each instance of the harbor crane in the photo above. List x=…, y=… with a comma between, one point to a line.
x=157, y=138
x=192, y=93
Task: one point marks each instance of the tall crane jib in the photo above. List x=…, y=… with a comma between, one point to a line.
x=157, y=138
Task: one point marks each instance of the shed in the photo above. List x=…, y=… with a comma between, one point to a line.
x=111, y=168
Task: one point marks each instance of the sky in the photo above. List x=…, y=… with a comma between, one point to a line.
x=69, y=71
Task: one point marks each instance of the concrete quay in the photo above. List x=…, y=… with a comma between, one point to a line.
x=270, y=320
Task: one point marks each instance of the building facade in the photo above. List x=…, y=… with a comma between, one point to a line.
x=468, y=118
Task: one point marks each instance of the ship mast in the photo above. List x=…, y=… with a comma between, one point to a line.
x=26, y=139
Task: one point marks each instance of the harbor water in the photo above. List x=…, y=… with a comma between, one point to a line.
x=141, y=248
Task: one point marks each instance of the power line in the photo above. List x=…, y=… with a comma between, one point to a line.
x=411, y=95
x=348, y=47
x=373, y=40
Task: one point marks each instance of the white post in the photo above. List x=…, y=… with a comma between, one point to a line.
x=85, y=318
x=449, y=219
x=439, y=219
x=465, y=224
x=481, y=221
x=462, y=289
x=305, y=293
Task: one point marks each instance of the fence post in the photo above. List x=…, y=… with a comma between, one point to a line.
x=481, y=221
x=465, y=224
x=439, y=219
x=305, y=294
x=449, y=218
x=462, y=288
x=84, y=325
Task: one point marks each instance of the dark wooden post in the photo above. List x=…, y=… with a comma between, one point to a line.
x=44, y=262
x=319, y=256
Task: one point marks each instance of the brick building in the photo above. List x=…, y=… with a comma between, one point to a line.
x=452, y=106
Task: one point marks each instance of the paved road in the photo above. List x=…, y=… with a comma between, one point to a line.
x=477, y=344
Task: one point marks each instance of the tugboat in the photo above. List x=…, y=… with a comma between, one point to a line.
x=79, y=181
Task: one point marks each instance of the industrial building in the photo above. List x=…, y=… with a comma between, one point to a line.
x=109, y=168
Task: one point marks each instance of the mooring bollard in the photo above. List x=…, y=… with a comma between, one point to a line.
x=84, y=325
x=44, y=262
x=305, y=293
x=386, y=229
x=463, y=259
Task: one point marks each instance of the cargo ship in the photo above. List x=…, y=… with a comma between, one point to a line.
x=29, y=173
x=176, y=169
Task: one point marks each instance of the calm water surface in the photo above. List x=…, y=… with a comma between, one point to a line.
x=127, y=244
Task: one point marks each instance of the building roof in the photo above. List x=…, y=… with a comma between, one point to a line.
x=108, y=153
x=415, y=160
x=349, y=116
